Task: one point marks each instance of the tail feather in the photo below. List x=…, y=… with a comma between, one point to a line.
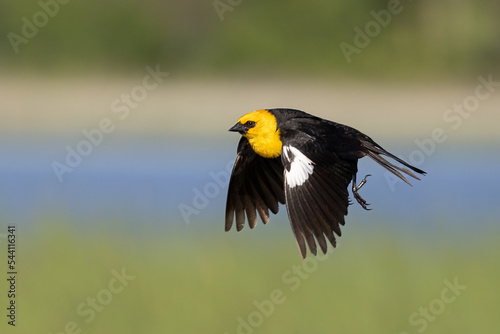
x=374, y=151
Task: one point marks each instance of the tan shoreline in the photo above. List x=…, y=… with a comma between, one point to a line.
x=200, y=108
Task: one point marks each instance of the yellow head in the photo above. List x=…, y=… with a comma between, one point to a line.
x=261, y=130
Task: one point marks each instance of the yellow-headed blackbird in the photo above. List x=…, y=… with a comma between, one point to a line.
x=289, y=156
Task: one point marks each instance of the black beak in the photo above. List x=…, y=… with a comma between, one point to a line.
x=238, y=127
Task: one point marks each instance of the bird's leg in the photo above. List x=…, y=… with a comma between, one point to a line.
x=355, y=189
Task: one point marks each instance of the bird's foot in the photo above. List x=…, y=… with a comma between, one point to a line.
x=357, y=196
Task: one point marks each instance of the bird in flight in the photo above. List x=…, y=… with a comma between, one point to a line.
x=288, y=156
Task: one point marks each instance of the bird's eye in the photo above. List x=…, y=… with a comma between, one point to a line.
x=250, y=124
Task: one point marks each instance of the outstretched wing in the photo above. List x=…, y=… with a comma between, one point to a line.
x=256, y=185
x=316, y=193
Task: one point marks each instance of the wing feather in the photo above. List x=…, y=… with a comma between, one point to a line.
x=317, y=221
x=255, y=186
x=317, y=201
x=297, y=228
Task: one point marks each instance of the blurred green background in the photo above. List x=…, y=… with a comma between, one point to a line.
x=423, y=38
x=107, y=246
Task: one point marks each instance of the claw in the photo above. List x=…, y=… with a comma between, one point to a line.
x=355, y=189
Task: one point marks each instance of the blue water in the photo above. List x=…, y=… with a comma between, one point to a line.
x=143, y=181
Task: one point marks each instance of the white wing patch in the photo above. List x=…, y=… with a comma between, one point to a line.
x=300, y=167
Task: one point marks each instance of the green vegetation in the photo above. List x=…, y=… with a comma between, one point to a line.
x=423, y=38
x=195, y=282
